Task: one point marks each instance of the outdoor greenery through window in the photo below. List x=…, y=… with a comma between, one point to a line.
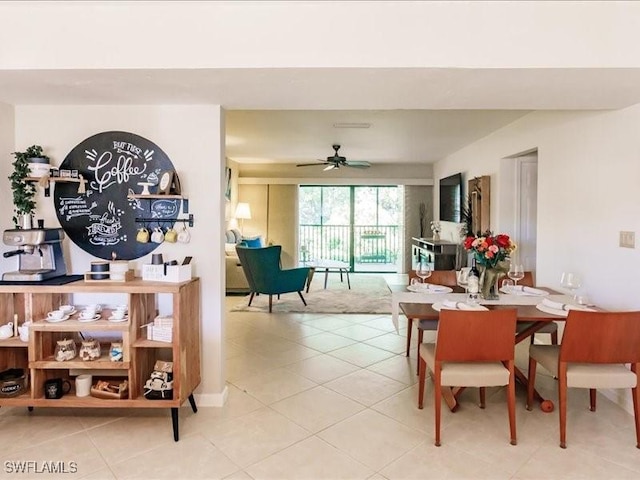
x=359, y=225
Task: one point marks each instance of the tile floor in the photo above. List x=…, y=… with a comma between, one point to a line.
x=325, y=397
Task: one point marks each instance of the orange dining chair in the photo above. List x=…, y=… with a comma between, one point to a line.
x=551, y=327
x=438, y=277
x=472, y=349
x=595, y=348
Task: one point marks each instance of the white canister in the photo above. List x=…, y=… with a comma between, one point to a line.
x=83, y=385
x=118, y=269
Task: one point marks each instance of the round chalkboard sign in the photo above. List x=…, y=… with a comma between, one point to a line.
x=104, y=221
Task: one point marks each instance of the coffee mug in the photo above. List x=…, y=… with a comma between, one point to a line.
x=6, y=331
x=157, y=259
x=171, y=236
x=55, y=314
x=184, y=236
x=83, y=385
x=118, y=314
x=67, y=309
x=142, y=236
x=54, y=388
x=157, y=236
x=23, y=331
x=87, y=314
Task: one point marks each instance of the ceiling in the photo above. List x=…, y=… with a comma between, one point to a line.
x=287, y=115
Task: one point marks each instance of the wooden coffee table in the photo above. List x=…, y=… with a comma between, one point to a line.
x=328, y=266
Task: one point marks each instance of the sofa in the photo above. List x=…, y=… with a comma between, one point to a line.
x=236, y=282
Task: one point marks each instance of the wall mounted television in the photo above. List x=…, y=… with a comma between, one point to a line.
x=451, y=198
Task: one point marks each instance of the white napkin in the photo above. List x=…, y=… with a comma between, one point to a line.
x=453, y=305
x=564, y=306
x=437, y=288
x=524, y=290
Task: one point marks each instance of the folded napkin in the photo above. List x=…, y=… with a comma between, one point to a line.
x=564, y=306
x=524, y=290
x=453, y=305
x=437, y=288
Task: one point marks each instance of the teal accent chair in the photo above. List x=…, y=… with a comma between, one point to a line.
x=262, y=268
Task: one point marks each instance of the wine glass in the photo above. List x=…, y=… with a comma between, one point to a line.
x=507, y=285
x=423, y=270
x=516, y=272
x=571, y=281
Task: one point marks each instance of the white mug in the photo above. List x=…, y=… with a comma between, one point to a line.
x=157, y=236
x=66, y=309
x=56, y=314
x=83, y=385
x=23, y=331
x=184, y=236
x=118, y=314
x=86, y=314
x=6, y=331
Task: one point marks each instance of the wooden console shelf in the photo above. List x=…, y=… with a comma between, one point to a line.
x=139, y=354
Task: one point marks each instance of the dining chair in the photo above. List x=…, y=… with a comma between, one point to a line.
x=447, y=278
x=472, y=349
x=551, y=327
x=595, y=348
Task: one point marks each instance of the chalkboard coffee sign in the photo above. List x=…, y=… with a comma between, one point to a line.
x=102, y=221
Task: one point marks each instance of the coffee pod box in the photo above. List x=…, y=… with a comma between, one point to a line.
x=175, y=273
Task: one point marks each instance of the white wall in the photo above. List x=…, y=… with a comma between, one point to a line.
x=587, y=192
x=191, y=137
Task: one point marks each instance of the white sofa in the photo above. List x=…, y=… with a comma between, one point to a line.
x=236, y=282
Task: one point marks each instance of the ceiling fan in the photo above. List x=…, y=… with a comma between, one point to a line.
x=336, y=161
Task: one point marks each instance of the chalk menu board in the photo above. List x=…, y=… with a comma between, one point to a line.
x=102, y=221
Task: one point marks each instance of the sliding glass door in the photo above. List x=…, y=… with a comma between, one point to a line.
x=358, y=225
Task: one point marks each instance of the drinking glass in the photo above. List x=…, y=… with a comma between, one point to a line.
x=516, y=272
x=423, y=270
x=571, y=281
x=507, y=283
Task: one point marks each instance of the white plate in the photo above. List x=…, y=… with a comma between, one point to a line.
x=118, y=320
x=476, y=308
x=56, y=320
x=88, y=320
x=553, y=311
x=433, y=289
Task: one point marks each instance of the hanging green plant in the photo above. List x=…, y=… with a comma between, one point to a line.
x=23, y=191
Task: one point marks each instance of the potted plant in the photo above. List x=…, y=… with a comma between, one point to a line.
x=24, y=191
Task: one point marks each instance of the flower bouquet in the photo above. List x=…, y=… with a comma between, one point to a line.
x=492, y=255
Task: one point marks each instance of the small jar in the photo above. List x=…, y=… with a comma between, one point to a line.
x=90, y=350
x=65, y=350
x=115, y=352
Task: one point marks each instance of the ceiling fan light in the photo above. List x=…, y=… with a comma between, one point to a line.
x=329, y=167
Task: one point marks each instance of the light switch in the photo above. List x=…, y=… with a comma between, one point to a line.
x=628, y=239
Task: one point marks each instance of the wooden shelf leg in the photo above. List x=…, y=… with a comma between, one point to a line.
x=174, y=421
x=192, y=402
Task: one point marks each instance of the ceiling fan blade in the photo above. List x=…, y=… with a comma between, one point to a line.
x=322, y=162
x=358, y=164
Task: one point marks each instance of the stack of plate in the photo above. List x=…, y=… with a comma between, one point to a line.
x=39, y=167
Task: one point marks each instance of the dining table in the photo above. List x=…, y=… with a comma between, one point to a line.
x=531, y=318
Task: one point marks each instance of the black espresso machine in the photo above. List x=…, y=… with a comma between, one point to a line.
x=39, y=252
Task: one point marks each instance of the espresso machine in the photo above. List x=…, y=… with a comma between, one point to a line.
x=39, y=252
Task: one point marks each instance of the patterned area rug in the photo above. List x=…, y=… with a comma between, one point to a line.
x=368, y=294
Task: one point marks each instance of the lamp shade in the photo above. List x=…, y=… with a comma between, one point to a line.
x=243, y=211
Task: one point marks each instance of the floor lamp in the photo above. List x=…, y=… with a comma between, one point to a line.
x=243, y=211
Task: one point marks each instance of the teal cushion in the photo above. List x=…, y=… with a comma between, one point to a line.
x=252, y=242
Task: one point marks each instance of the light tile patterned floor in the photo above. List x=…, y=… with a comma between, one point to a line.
x=326, y=397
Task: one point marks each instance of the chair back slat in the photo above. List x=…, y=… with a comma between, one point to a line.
x=601, y=337
x=441, y=277
x=476, y=336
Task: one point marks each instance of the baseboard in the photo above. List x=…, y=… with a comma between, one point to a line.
x=212, y=399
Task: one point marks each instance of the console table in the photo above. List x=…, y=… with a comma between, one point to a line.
x=439, y=253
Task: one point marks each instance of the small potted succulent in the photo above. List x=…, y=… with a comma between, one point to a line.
x=24, y=191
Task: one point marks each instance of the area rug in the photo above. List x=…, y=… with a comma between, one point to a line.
x=368, y=294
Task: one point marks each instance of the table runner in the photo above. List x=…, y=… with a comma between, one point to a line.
x=505, y=299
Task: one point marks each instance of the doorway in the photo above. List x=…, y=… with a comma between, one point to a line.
x=355, y=224
x=519, y=205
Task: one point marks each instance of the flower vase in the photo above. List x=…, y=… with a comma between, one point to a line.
x=489, y=279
